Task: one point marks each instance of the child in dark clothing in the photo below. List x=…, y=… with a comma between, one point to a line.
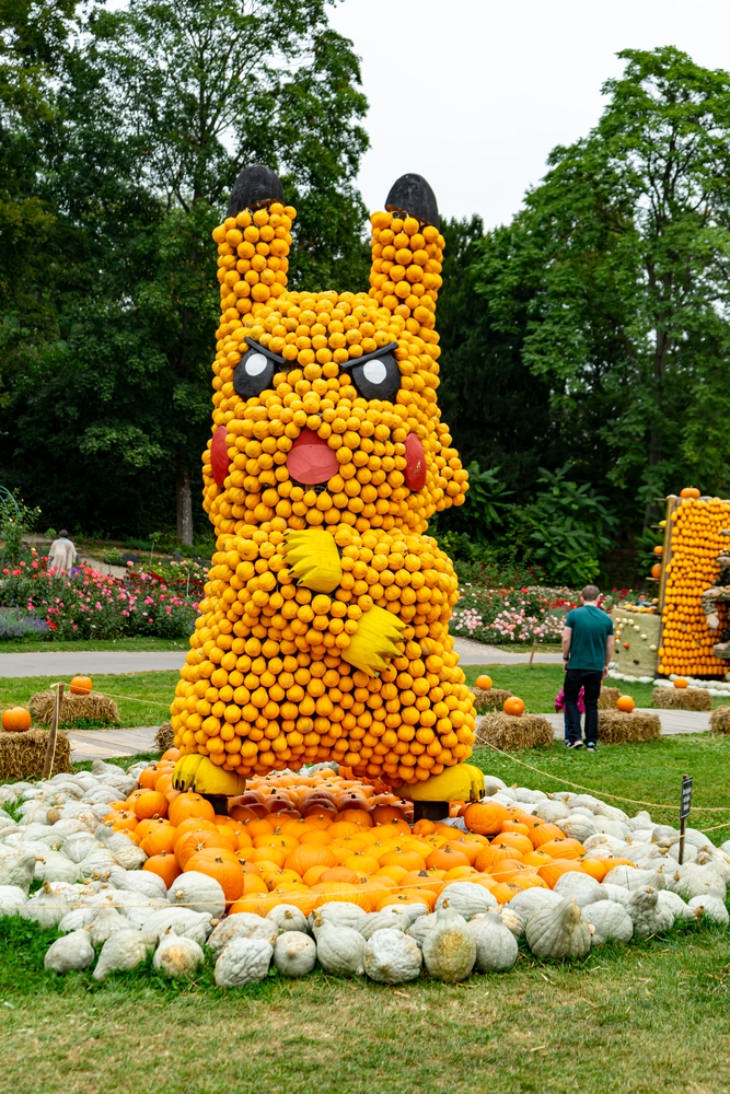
x=560, y=705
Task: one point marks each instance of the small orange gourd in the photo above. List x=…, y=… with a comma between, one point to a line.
x=484, y=682
x=80, y=685
x=16, y=719
x=513, y=705
x=625, y=703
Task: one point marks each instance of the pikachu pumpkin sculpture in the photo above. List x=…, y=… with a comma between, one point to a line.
x=323, y=632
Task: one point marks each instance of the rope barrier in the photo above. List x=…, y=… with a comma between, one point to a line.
x=605, y=793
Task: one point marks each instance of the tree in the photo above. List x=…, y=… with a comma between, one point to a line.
x=157, y=107
x=631, y=232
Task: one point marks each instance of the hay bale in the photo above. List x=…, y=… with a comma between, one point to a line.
x=607, y=698
x=93, y=707
x=22, y=755
x=720, y=720
x=618, y=727
x=489, y=698
x=681, y=698
x=509, y=731
x=165, y=737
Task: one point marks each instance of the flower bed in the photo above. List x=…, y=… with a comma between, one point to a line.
x=529, y=613
x=88, y=604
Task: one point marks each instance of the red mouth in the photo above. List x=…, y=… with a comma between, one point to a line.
x=311, y=461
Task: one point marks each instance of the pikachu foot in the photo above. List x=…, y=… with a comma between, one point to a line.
x=463, y=782
x=200, y=774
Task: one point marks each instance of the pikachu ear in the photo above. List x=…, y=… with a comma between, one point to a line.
x=407, y=248
x=253, y=245
x=255, y=187
x=412, y=196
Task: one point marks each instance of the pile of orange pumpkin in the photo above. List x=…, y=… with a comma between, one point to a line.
x=309, y=839
x=696, y=540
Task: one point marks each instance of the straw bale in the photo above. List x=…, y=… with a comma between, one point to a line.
x=619, y=727
x=22, y=754
x=490, y=698
x=512, y=731
x=165, y=737
x=681, y=698
x=607, y=698
x=720, y=720
x=94, y=707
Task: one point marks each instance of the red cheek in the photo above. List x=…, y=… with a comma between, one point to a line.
x=415, y=473
x=219, y=455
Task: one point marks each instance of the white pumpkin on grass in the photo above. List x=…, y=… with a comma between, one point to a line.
x=123, y=950
x=243, y=961
x=392, y=957
x=648, y=916
x=558, y=931
x=610, y=921
x=199, y=892
x=341, y=913
x=295, y=953
x=242, y=925
x=466, y=898
x=711, y=907
x=287, y=917
x=340, y=949
x=69, y=954
x=178, y=956
x=184, y=922
x=391, y=917
x=449, y=949
x=496, y=945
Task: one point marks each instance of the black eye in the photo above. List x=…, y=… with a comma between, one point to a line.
x=378, y=378
x=252, y=374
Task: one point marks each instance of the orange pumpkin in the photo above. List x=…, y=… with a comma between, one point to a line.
x=16, y=719
x=484, y=682
x=513, y=705
x=625, y=703
x=485, y=817
x=679, y=682
x=656, y=570
x=689, y=492
x=80, y=685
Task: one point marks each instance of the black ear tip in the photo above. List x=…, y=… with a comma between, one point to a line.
x=255, y=186
x=412, y=194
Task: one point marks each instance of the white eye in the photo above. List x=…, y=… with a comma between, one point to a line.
x=254, y=364
x=374, y=371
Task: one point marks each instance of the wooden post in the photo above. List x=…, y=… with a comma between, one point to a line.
x=53, y=734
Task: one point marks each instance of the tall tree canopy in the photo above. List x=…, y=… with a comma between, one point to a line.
x=139, y=121
x=630, y=236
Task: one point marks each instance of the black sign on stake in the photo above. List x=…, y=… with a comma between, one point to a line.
x=685, y=804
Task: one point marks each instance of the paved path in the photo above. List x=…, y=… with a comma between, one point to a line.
x=110, y=662
x=65, y=663
x=105, y=744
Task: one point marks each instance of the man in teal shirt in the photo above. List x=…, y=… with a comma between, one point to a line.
x=587, y=650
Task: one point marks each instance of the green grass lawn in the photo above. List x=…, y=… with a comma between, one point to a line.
x=128, y=645
x=142, y=698
x=645, y=1018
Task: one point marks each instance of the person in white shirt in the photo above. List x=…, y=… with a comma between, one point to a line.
x=62, y=553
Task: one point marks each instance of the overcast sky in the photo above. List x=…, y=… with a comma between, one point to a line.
x=473, y=94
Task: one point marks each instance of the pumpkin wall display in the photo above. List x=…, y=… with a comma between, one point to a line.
x=636, y=639
x=323, y=631
x=693, y=621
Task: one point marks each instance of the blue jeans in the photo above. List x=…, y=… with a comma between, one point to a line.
x=591, y=684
